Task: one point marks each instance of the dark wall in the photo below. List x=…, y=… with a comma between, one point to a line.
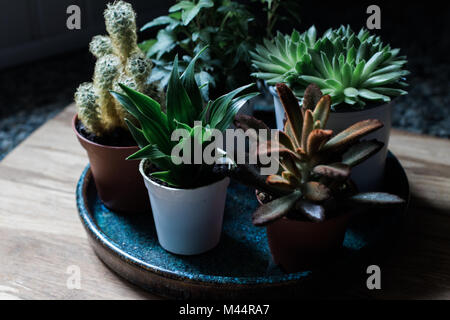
x=421, y=29
x=34, y=29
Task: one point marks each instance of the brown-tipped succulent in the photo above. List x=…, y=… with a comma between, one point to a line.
x=119, y=60
x=315, y=164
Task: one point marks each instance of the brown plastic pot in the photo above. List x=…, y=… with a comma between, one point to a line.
x=118, y=181
x=300, y=245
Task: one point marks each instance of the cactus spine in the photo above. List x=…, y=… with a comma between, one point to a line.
x=119, y=60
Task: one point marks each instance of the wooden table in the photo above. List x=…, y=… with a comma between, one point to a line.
x=41, y=236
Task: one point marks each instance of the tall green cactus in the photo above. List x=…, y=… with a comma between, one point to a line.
x=119, y=60
x=88, y=110
x=120, y=21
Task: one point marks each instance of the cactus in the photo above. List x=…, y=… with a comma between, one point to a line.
x=106, y=72
x=120, y=21
x=100, y=46
x=88, y=112
x=139, y=67
x=119, y=60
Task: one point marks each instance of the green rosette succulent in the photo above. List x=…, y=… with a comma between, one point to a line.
x=355, y=69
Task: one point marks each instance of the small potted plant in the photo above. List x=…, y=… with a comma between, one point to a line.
x=307, y=205
x=229, y=28
x=187, y=197
x=99, y=123
x=359, y=72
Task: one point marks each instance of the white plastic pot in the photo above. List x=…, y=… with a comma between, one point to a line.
x=188, y=221
x=369, y=175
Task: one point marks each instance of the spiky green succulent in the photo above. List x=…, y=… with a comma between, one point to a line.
x=354, y=69
x=277, y=60
x=119, y=60
x=185, y=110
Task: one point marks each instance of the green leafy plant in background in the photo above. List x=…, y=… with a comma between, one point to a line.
x=280, y=10
x=187, y=110
x=119, y=60
x=354, y=69
x=231, y=30
x=315, y=165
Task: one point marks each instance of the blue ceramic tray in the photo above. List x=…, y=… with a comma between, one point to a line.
x=241, y=265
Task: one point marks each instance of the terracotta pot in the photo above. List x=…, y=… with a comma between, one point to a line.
x=369, y=175
x=118, y=181
x=300, y=245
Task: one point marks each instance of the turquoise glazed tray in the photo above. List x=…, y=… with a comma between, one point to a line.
x=241, y=265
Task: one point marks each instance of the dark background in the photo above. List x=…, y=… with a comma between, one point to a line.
x=41, y=63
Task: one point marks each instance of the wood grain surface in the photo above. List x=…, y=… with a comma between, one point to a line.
x=41, y=236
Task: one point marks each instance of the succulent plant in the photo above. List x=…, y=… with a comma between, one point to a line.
x=88, y=111
x=276, y=60
x=120, y=21
x=230, y=28
x=119, y=60
x=100, y=46
x=315, y=165
x=185, y=110
x=354, y=69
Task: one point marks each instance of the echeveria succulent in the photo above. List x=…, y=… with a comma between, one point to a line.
x=354, y=69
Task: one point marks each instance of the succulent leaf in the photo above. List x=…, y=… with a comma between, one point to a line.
x=285, y=141
x=292, y=108
x=275, y=209
x=221, y=106
x=378, y=199
x=352, y=134
x=312, y=211
x=308, y=127
x=322, y=111
x=246, y=122
x=316, y=192
x=312, y=97
x=360, y=152
x=279, y=181
x=337, y=171
x=316, y=139
x=137, y=134
x=290, y=133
